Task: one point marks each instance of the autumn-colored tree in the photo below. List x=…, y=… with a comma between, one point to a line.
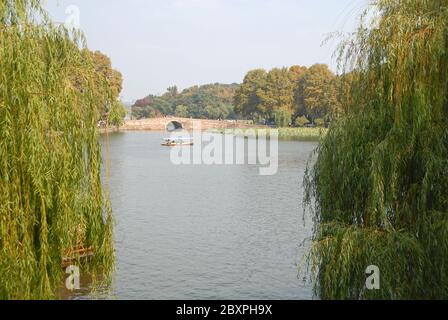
x=297, y=75
x=278, y=94
x=248, y=101
x=319, y=93
x=283, y=95
x=113, y=79
x=345, y=92
x=103, y=66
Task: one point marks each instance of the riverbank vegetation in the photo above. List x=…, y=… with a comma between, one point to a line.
x=293, y=134
x=302, y=134
x=378, y=188
x=213, y=101
x=51, y=198
x=287, y=97
x=292, y=96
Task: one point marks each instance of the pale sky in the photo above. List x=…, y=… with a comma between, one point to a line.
x=160, y=43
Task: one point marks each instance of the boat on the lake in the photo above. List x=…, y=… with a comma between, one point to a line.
x=73, y=256
x=175, y=142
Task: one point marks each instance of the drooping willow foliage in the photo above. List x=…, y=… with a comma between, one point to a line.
x=51, y=197
x=379, y=188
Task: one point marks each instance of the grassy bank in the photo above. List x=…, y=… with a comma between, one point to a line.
x=293, y=134
x=302, y=134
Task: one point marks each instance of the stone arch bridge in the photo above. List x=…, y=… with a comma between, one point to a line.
x=162, y=124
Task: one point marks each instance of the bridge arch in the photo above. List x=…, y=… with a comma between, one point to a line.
x=174, y=125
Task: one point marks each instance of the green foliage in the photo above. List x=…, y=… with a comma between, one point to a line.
x=181, y=111
x=282, y=117
x=267, y=95
x=278, y=94
x=301, y=121
x=103, y=66
x=248, y=99
x=312, y=93
x=290, y=134
x=380, y=180
x=213, y=101
x=116, y=114
x=51, y=196
x=319, y=122
x=301, y=134
x=319, y=91
x=109, y=83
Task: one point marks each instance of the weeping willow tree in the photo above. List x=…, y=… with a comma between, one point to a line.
x=379, y=185
x=51, y=197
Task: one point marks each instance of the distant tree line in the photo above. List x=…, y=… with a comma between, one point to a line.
x=212, y=101
x=290, y=96
x=295, y=96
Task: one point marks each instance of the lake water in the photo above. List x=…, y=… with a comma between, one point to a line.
x=206, y=232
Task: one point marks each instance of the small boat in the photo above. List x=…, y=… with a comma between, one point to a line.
x=176, y=142
x=73, y=256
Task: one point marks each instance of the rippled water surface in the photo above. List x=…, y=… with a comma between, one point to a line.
x=205, y=232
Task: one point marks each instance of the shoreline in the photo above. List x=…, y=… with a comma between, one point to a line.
x=292, y=134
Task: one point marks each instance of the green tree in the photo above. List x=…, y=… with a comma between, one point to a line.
x=212, y=101
x=107, y=77
x=297, y=74
x=282, y=117
x=345, y=93
x=379, y=186
x=161, y=106
x=172, y=92
x=278, y=93
x=313, y=93
x=117, y=113
x=319, y=92
x=114, y=78
x=301, y=121
x=51, y=196
x=181, y=111
x=248, y=101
